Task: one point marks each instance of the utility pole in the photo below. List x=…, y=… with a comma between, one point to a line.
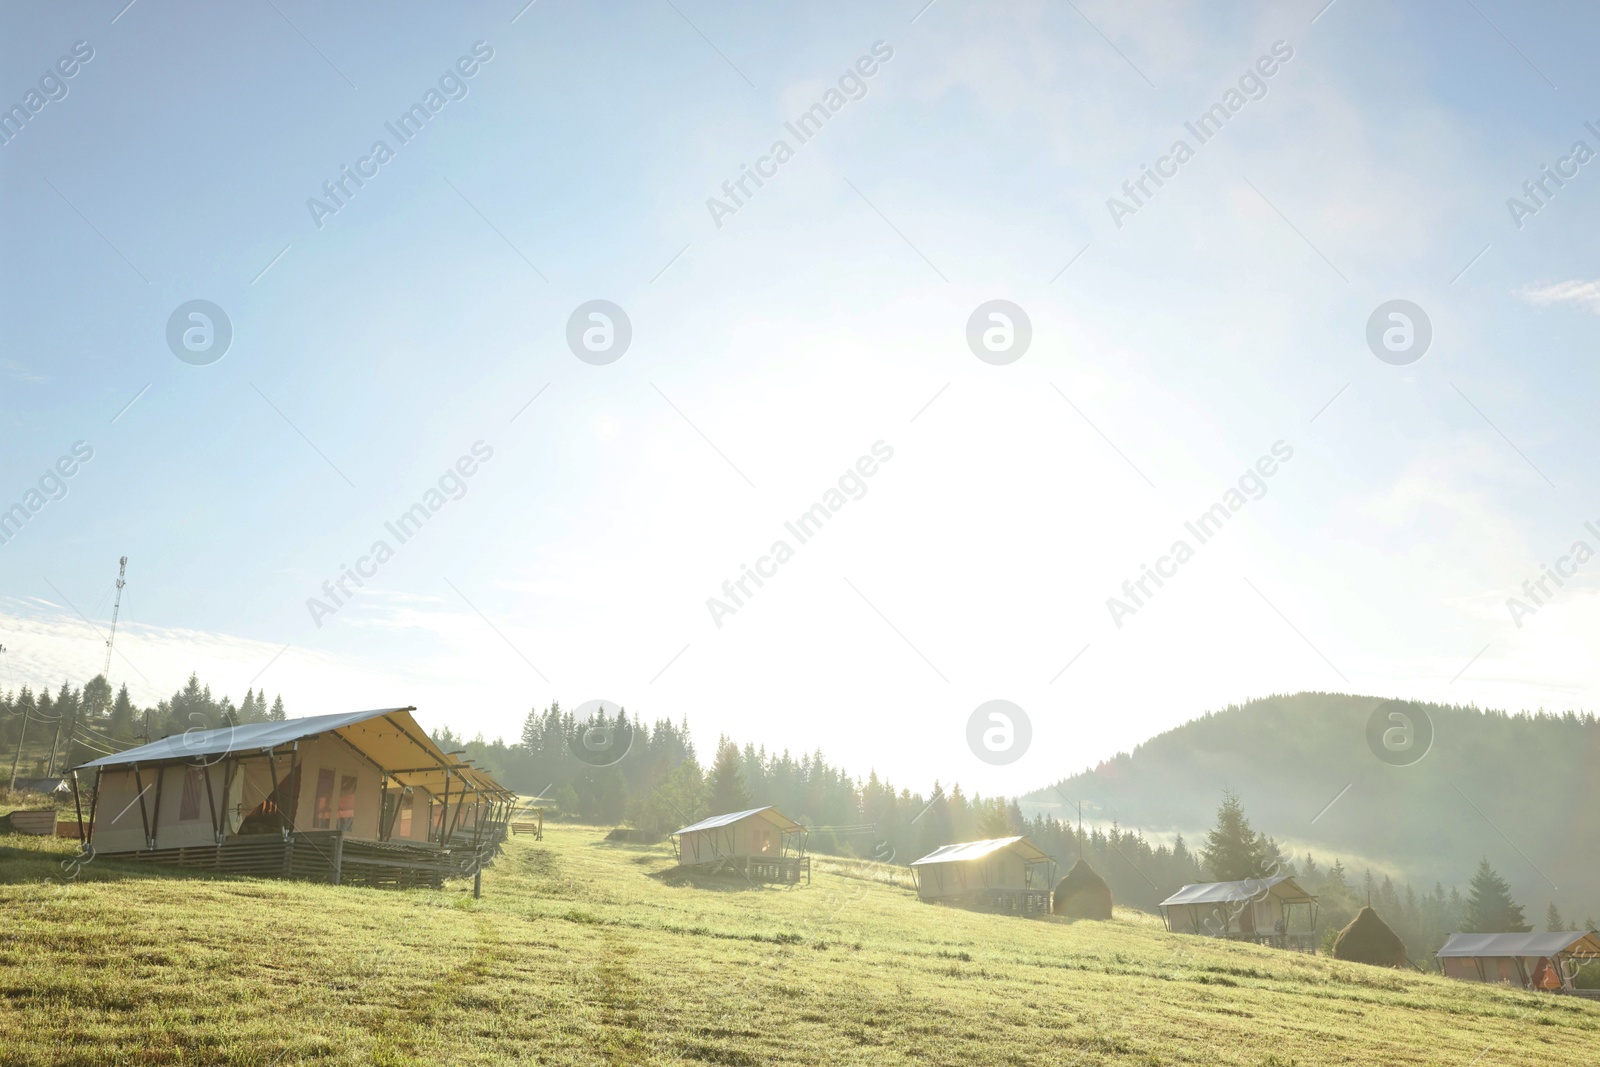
x=122, y=580
x=50, y=768
x=20, y=738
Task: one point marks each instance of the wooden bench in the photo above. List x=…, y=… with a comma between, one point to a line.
x=534, y=828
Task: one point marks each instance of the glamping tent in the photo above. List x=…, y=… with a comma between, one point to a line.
x=762, y=844
x=1532, y=961
x=1002, y=874
x=363, y=797
x=1256, y=909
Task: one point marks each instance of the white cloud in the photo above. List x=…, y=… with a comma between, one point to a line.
x=1585, y=295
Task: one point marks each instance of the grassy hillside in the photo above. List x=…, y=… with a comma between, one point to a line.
x=1519, y=789
x=580, y=953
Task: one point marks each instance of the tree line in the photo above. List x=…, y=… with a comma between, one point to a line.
x=47, y=733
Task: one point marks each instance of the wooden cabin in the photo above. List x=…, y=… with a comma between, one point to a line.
x=1539, y=961
x=1259, y=910
x=363, y=797
x=1009, y=874
x=761, y=845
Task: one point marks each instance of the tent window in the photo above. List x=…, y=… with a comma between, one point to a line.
x=405, y=815
x=322, y=814
x=189, y=805
x=347, y=801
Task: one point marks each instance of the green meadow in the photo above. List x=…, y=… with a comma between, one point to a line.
x=583, y=951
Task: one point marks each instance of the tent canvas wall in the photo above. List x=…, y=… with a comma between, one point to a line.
x=760, y=843
x=1011, y=873
x=1249, y=907
x=1527, y=960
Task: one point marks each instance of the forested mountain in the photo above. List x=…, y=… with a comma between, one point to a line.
x=1521, y=790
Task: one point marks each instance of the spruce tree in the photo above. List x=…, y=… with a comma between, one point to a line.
x=1490, y=909
x=277, y=713
x=726, y=785
x=1553, y=921
x=122, y=715
x=1233, y=851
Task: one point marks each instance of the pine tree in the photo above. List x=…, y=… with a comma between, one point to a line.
x=726, y=784
x=1233, y=851
x=122, y=715
x=1490, y=909
x=1552, y=918
x=531, y=730
x=277, y=713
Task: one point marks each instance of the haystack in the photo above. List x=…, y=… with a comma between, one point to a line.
x=1082, y=894
x=1368, y=939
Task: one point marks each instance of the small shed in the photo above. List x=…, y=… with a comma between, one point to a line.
x=1547, y=961
x=1255, y=909
x=1010, y=874
x=761, y=844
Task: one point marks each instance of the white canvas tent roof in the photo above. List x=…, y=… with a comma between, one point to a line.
x=715, y=821
x=973, y=850
x=1531, y=944
x=389, y=738
x=1234, y=892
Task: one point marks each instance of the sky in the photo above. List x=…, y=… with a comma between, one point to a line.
x=785, y=338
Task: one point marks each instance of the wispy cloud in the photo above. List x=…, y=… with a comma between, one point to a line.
x=21, y=373
x=1584, y=294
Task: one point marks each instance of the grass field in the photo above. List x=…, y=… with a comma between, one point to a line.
x=579, y=953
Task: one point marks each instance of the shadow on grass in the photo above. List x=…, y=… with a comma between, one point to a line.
x=732, y=882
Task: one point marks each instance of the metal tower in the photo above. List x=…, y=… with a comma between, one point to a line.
x=122, y=580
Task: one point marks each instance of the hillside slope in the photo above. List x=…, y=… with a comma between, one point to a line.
x=579, y=953
x=1519, y=789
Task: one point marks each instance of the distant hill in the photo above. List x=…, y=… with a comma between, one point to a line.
x=1522, y=789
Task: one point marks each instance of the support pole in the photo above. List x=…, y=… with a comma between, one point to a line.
x=294, y=786
x=144, y=816
x=385, y=823
x=77, y=805
x=94, y=803
x=155, y=819
x=444, y=814
x=211, y=805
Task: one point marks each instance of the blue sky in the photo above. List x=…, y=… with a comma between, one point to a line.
x=772, y=351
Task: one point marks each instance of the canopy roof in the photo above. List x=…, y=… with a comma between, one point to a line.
x=389, y=739
x=770, y=813
x=1281, y=886
x=966, y=851
x=1572, y=942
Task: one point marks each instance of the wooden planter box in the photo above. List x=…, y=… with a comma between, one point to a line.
x=39, y=821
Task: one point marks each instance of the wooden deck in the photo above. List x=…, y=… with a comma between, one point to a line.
x=1003, y=901
x=780, y=869
x=328, y=856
